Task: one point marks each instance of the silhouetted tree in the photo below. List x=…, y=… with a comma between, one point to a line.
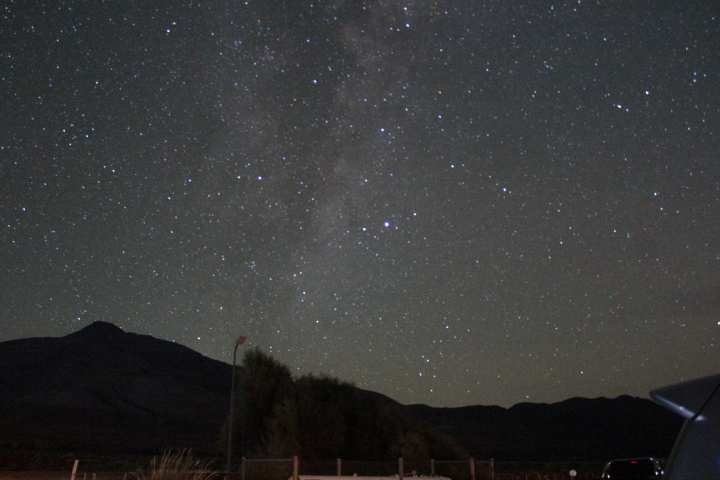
x=327, y=418
x=262, y=383
x=283, y=431
x=323, y=403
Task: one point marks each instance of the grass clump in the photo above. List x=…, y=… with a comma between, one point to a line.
x=177, y=465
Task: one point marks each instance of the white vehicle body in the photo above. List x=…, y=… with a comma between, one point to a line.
x=357, y=477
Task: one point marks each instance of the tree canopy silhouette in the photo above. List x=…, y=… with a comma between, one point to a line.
x=277, y=416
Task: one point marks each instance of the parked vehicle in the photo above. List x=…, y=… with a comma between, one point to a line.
x=696, y=453
x=633, y=469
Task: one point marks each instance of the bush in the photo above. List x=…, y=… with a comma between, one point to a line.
x=178, y=465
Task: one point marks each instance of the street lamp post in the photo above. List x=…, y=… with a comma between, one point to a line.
x=239, y=341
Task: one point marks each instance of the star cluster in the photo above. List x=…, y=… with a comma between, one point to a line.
x=450, y=203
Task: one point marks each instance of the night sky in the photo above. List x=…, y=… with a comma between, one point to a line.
x=451, y=203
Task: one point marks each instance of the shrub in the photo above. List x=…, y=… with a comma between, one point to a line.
x=178, y=465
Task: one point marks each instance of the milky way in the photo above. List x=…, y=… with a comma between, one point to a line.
x=450, y=203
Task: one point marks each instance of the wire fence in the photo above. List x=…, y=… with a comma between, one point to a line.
x=287, y=468
x=471, y=469
x=548, y=470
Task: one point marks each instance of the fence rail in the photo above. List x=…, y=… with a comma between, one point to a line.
x=286, y=468
x=471, y=469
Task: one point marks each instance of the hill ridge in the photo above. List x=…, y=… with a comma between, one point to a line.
x=120, y=390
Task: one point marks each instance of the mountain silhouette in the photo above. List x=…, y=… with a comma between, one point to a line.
x=106, y=391
x=577, y=428
x=103, y=389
